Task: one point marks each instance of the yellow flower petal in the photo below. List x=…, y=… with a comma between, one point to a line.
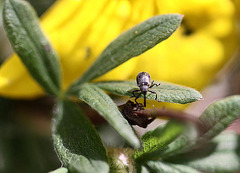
x=80, y=30
x=14, y=78
x=199, y=14
x=87, y=33
x=182, y=60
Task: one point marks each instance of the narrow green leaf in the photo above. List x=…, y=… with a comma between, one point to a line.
x=215, y=119
x=142, y=169
x=60, y=170
x=157, y=139
x=132, y=43
x=188, y=137
x=105, y=106
x=219, y=116
x=76, y=142
x=158, y=166
x=222, y=155
x=166, y=92
x=28, y=41
x=222, y=162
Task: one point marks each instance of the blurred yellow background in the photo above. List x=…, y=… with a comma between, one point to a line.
x=80, y=30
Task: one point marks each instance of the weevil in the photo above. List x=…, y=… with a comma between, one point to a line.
x=144, y=83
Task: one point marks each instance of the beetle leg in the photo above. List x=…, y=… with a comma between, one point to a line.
x=154, y=93
x=145, y=100
x=154, y=84
x=133, y=93
x=137, y=98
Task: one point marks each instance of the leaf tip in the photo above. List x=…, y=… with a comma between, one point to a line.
x=200, y=98
x=179, y=15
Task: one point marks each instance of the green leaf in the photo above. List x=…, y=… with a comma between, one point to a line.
x=189, y=135
x=76, y=142
x=219, y=116
x=28, y=41
x=158, y=166
x=60, y=170
x=142, y=169
x=105, y=106
x=155, y=140
x=215, y=119
x=222, y=155
x=166, y=92
x=132, y=43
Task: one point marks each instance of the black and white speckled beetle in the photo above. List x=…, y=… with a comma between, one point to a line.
x=144, y=83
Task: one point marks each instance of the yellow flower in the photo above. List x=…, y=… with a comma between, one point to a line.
x=79, y=30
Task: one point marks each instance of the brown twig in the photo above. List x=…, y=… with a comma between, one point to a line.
x=171, y=114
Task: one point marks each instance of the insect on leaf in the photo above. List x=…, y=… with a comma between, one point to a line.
x=166, y=92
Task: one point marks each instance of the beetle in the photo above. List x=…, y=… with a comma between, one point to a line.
x=144, y=83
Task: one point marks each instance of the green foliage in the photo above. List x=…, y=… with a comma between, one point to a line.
x=220, y=155
x=155, y=140
x=221, y=114
x=132, y=43
x=218, y=116
x=178, y=147
x=28, y=41
x=76, y=142
x=157, y=166
x=105, y=106
x=167, y=92
x=193, y=151
x=60, y=170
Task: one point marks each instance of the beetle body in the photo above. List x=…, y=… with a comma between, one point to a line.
x=144, y=83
